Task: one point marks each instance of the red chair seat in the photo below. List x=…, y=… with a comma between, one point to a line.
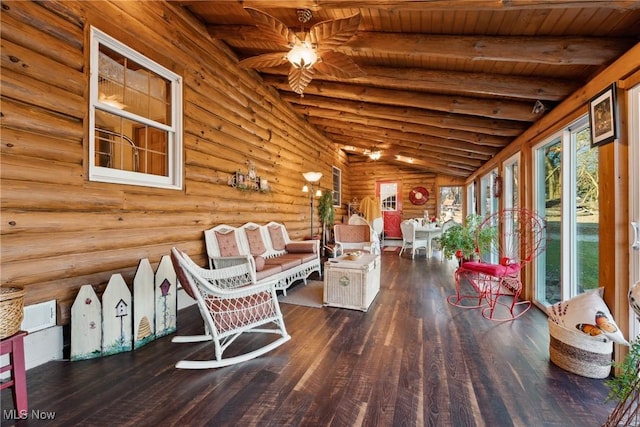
x=496, y=270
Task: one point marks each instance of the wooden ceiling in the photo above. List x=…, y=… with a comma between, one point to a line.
x=447, y=83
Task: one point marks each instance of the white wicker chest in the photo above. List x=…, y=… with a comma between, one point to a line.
x=352, y=284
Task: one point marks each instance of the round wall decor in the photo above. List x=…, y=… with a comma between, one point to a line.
x=419, y=196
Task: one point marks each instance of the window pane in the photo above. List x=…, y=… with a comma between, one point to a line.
x=129, y=145
x=129, y=86
x=552, y=187
x=451, y=204
x=388, y=197
x=586, y=212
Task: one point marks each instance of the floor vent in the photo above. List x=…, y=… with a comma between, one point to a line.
x=39, y=316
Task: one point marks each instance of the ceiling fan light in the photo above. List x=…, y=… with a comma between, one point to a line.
x=375, y=155
x=302, y=55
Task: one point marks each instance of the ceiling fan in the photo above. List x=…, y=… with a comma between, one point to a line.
x=312, y=53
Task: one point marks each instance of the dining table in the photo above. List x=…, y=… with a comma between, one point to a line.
x=428, y=230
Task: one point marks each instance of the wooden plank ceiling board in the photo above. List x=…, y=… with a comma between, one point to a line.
x=447, y=83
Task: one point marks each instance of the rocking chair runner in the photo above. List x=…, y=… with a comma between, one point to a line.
x=506, y=240
x=230, y=303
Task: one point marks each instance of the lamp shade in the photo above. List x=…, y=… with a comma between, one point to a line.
x=312, y=176
x=302, y=55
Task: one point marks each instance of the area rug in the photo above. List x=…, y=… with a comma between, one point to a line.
x=309, y=295
x=391, y=249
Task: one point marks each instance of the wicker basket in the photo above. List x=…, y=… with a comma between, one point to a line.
x=579, y=353
x=11, y=310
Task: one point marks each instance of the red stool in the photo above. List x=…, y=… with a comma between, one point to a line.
x=14, y=347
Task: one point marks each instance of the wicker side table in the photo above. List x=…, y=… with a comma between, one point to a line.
x=352, y=283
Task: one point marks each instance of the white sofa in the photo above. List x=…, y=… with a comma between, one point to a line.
x=272, y=254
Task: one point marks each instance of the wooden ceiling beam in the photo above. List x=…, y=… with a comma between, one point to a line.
x=384, y=135
x=494, y=109
x=453, y=122
x=474, y=84
x=539, y=50
x=424, y=5
x=328, y=116
x=385, y=140
x=424, y=166
x=433, y=155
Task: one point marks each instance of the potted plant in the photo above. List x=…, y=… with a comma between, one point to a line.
x=625, y=387
x=326, y=214
x=460, y=239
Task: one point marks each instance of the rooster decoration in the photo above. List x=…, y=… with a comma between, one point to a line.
x=312, y=53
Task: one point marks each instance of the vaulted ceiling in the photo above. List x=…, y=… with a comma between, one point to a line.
x=447, y=84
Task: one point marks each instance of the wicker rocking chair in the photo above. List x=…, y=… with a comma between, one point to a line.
x=506, y=241
x=230, y=303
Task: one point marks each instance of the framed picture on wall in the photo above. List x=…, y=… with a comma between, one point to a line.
x=603, y=117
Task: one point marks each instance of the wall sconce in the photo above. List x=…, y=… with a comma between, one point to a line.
x=312, y=178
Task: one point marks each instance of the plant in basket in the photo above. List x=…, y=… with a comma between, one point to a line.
x=460, y=240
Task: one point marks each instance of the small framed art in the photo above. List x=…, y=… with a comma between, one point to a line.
x=603, y=117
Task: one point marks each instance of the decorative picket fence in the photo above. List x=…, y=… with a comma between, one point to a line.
x=122, y=321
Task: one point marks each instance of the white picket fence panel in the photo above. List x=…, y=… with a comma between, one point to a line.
x=124, y=320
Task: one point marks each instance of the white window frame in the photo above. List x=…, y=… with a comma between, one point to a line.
x=568, y=224
x=508, y=180
x=173, y=180
x=486, y=194
x=471, y=199
x=634, y=198
x=336, y=174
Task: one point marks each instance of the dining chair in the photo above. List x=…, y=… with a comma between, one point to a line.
x=410, y=239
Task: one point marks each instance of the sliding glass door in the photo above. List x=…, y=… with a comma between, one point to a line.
x=566, y=191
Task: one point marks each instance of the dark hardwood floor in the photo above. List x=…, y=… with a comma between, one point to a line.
x=411, y=360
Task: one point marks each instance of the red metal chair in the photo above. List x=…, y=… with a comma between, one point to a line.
x=506, y=241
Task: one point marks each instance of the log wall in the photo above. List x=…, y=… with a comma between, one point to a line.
x=365, y=173
x=60, y=231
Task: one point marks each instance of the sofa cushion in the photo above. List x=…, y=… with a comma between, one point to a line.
x=284, y=261
x=227, y=243
x=305, y=256
x=277, y=237
x=268, y=270
x=256, y=244
x=301, y=247
x=245, y=310
x=259, y=262
x=353, y=233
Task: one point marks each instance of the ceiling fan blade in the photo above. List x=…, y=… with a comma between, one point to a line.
x=299, y=79
x=275, y=30
x=264, y=61
x=339, y=65
x=333, y=33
